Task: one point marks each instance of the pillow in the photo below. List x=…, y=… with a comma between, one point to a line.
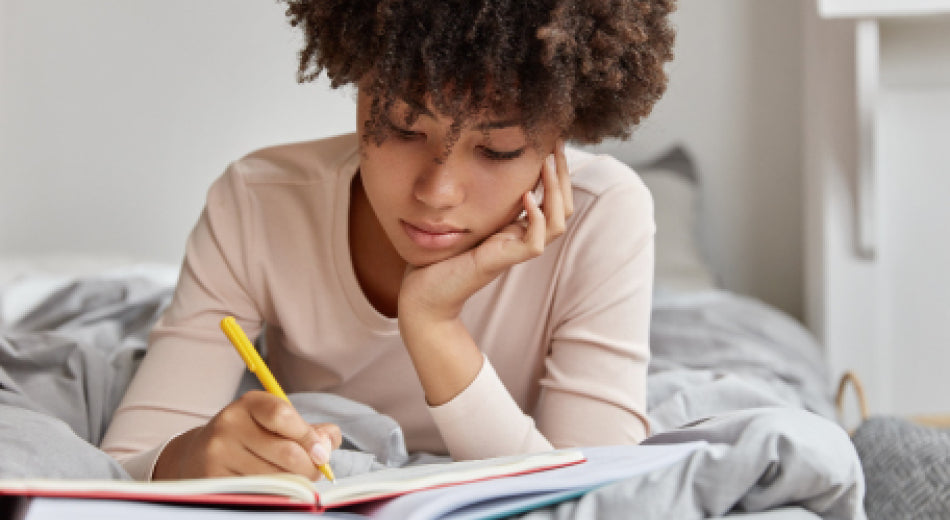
x=672, y=180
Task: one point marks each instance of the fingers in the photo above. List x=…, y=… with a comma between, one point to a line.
x=245, y=461
x=528, y=236
x=564, y=179
x=275, y=415
x=269, y=453
x=284, y=440
x=257, y=434
x=322, y=438
x=535, y=236
x=332, y=432
x=542, y=226
x=553, y=199
x=558, y=194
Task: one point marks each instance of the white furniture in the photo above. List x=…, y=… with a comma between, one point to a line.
x=876, y=150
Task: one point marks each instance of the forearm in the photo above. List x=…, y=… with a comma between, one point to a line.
x=485, y=421
x=444, y=355
x=475, y=413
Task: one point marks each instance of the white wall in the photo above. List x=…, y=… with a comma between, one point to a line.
x=735, y=99
x=117, y=115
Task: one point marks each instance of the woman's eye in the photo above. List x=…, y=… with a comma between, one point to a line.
x=497, y=155
x=408, y=135
x=405, y=134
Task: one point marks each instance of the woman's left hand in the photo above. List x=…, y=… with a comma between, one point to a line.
x=438, y=291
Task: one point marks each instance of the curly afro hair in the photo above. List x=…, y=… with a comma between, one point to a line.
x=591, y=68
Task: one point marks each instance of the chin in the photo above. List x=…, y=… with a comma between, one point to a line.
x=420, y=260
x=417, y=257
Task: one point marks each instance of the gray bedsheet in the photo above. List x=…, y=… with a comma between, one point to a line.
x=726, y=369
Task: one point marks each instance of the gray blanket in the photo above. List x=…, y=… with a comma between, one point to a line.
x=751, y=381
x=726, y=369
x=716, y=351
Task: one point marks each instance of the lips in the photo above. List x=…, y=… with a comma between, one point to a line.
x=433, y=236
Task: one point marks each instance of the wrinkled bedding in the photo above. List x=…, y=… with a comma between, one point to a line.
x=726, y=369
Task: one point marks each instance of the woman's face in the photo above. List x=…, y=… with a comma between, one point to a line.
x=432, y=205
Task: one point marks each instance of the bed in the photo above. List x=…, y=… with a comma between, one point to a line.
x=726, y=368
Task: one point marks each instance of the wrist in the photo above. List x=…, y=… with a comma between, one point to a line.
x=417, y=325
x=420, y=311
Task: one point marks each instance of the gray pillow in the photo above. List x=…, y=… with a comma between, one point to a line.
x=674, y=184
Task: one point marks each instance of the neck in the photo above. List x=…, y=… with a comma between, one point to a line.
x=379, y=268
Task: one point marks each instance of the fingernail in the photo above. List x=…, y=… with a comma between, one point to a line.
x=531, y=197
x=319, y=454
x=552, y=165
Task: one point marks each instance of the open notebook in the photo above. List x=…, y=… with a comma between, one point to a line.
x=293, y=491
x=483, y=489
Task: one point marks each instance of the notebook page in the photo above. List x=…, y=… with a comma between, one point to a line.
x=400, y=480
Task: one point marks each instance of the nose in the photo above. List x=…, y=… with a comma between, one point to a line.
x=440, y=187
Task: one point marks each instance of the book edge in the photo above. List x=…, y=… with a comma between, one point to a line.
x=267, y=490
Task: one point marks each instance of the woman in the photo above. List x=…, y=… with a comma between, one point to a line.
x=409, y=267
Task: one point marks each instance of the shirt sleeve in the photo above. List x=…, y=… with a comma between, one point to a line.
x=190, y=370
x=503, y=429
x=593, y=390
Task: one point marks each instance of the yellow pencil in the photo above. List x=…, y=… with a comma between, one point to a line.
x=256, y=365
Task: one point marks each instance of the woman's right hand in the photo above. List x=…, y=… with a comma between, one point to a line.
x=257, y=434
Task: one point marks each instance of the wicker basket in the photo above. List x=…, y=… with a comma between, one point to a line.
x=850, y=380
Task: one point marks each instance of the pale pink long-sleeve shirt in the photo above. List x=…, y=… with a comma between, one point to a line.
x=565, y=335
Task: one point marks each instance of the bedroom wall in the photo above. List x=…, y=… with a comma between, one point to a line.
x=734, y=99
x=115, y=116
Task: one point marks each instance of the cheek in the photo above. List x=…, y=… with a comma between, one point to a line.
x=527, y=179
x=386, y=171
x=502, y=200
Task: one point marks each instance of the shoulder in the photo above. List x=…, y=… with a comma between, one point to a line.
x=605, y=258
x=612, y=230
x=281, y=178
x=604, y=185
x=303, y=162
